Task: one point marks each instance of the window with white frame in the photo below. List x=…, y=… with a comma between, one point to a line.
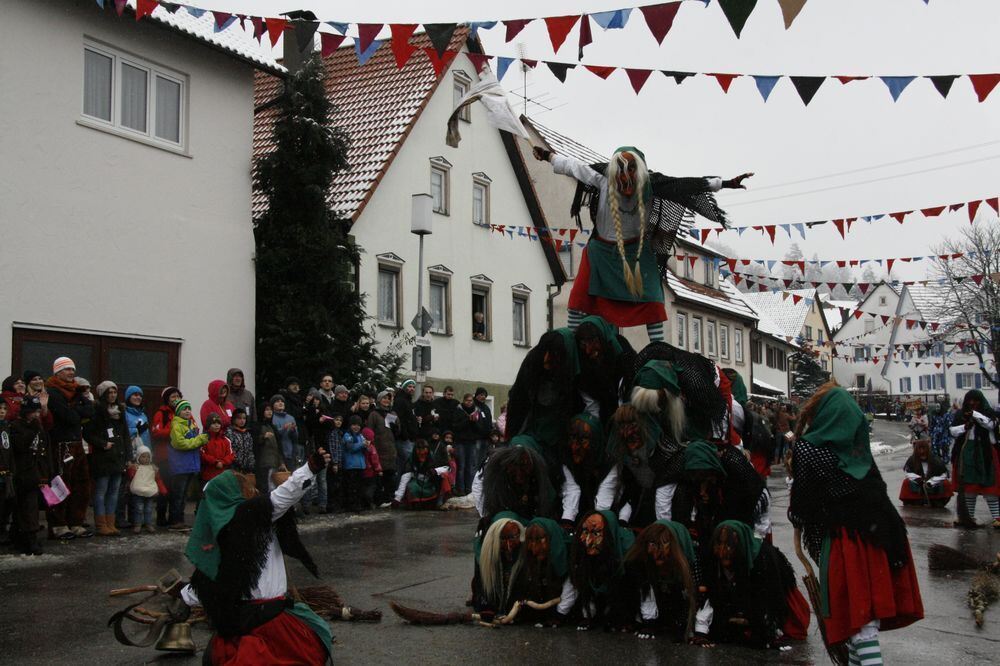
x=756, y=351
x=133, y=97
x=688, y=268
x=905, y=385
x=869, y=324
x=738, y=344
x=859, y=381
x=709, y=272
x=710, y=338
x=460, y=88
x=724, y=341
x=881, y=300
x=681, y=324
x=809, y=333
x=440, y=186
x=482, y=311
x=388, y=295
x=520, y=313
x=480, y=199
x=440, y=299
x=825, y=364
x=696, y=335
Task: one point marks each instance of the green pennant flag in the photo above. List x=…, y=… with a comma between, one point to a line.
x=737, y=12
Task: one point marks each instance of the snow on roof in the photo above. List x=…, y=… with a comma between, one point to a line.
x=788, y=316
x=929, y=301
x=376, y=105
x=684, y=239
x=235, y=40
x=726, y=298
x=831, y=311
x=564, y=145
x=767, y=387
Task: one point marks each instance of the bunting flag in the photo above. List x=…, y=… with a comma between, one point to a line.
x=765, y=84
x=513, y=27
x=365, y=56
x=329, y=43
x=440, y=35
x=143, y=8
x=402, y=50
x=737, y=12
x=896, y=84
x=304, y=33
x=367, y=32
x=807, y=86
x=659, y=18
x=558, y=28
x=559, y=69
x=275, y=28
x=790, y=10
x=943, y=83
x=439, y=63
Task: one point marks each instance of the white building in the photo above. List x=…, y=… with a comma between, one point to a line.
x=125, y=194
x=769, y=352
x=397, y=123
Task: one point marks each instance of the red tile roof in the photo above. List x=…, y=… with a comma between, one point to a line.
x=376, y=104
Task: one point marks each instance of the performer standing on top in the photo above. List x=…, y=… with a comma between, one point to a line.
x=636, y=215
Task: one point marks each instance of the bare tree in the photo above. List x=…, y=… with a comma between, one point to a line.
x=971, y=306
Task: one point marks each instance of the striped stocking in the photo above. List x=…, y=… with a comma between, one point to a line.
x=863, y=648
x=993, y=502
x=655, y=331
x=575, y=317
x=970, y=505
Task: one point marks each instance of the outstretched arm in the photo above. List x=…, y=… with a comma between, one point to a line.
x=569, y=166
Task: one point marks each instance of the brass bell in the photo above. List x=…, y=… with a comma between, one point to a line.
x=177, y=638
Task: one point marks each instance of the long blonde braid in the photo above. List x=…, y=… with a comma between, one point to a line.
x=619, y=240
x=637, y=273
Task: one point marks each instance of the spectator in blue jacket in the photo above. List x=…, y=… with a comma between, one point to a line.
x=353, y=447
x=288, y=433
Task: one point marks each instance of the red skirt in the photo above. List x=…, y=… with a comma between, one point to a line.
x=863, y=587
x=761, y=464
x=797, y=623
x=620, y=313
x=906, y=493
x=975, y=488
x=284, y=641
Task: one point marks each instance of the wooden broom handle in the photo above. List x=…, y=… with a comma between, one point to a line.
x=797, y=539
x=132, y=590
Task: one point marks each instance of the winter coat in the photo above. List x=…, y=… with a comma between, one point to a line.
x=218, y=449
x=484, y=426
x=30, y=447
x=160, y=431
x=268, y=449
x=13, y=400
x=466, y=429
x=354, y=450
x=212, y=406
x=385, y=439
x=241, y=397
x=145, y=481
x=403, y=406
x=184, y=444
x=244, y=448
x=287, y=438
x=335, y=448
x=422, y=409
x=134, y=416
x=6, y=454
x=372, y=464
x=293, y=404
x=101, y=431
x=446, y=410
x=68, y=416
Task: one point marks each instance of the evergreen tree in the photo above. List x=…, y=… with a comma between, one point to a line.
x=310, y=317
x=807, y=375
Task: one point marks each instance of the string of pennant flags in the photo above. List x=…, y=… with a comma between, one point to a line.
x=863, y=287
x=659, y=19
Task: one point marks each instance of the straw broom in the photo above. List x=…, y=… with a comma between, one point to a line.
x=837, y=653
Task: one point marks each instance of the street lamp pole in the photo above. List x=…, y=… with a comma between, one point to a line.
x=421, y=219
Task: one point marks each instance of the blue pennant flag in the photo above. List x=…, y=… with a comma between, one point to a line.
x=693, y=233
x=770, y=264
x=502, y=65
x=195, y=12
x=368, y=52
x=765, y=84
x=878, y=217
x=896, y=84
x=612, y=20
x=100, y=3
x=801, y=228
x=823, y=263
x=740, y=230
x=229, y=21
x=339, y=27
x=787, y=228
x=475, y=26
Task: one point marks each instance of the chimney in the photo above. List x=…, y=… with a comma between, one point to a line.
x=304, y=26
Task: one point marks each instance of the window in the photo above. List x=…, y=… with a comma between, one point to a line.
x=738, y=344
x=724, y=341
x=440, y=300
x=859, y=353
x=869, y=325
x=905, y=385
x=688, y=268
x=881, y=300
x=825, y=364
x=461, y=86
x=482, y=319
x=710, y=338
x=756, y=351
x=520, y=316
x=131, y=97
x=819, y=338
x=859, y=381
x=682, y=330
x=964, y=380
x=388, y=296
x=440, y=188
x=809, y=333
x=709, y=273
x=480, y=199
x=696, y=335
x=150, y=364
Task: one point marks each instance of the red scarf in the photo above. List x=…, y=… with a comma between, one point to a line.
x=68, y=389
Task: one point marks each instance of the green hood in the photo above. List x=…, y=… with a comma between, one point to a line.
x=738, y=388
x=558, y=544
x=657, y=375
x=222, y=497
x=683, y=539
x=840, y=425
x=477, y=543
x=700, y=456
x=749, y=544
x=607, y=331
x=572, y=355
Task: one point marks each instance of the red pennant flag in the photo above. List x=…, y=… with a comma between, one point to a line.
x=275, y=26
x=692, y=259
x=367, y=32
x=572, y=234
x=401, y=47
x=900, y=215
x=145, y=8
x=440, y=64
x=762, y=288
x=638, y=79
x=978, y=279
x=736, y=279
x=586, y=38
x=858, y=314
x=847, y=79
x=885, y=319
x=559, y=27
x=952, y=208
x=948, y=365
x=888, y=265
x=994, y=203
x=120, y=6
x=732, y=265
x=840, y=227
x=724, y=80
x=660, y=18
x=704, y=232
x=221, y=18
x=932, y=212
x=530, y=64
x=973, y=207
x=795, y=299
x=258, y=27
x=984, y=84
x=787, y=282
x=745, y=262
x=559, y=245
x=802, y=267
x=854, y=262
x=329, y=43
x=478, y=60
x=841, y=263
x=863, y=287
x=515, y=26
x=937, y=365
x=770, y=231
x=600, y=70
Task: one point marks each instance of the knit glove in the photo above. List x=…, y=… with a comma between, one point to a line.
x=318, y=460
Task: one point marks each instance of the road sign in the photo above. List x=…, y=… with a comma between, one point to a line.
x=422, y=322
x=422, y=341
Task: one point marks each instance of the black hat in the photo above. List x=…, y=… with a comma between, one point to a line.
x=239, y=411
x=30, y=403
x=31, y=374
x=355, y=420
x=482, y=391
x=292, y=380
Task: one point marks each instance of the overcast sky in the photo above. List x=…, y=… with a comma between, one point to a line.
x=852, y=151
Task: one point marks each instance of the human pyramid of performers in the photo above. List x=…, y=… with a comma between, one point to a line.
x=631, y=493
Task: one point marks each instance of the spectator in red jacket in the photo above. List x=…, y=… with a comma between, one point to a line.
x=160, y=432
x=217, y=403
x=217, y=455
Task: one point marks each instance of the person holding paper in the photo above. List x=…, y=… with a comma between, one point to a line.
x=31, y=471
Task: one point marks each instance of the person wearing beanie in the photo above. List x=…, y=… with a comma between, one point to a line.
x=31, y=462
x=408, y=429
x=184, y=459
x=239, y=394
x=384, y=424
x=373, y=469
x=353, y=444
x=110, y=451
x=287, y=430
x=145, y=485
x=160, y=430
x=217, y=454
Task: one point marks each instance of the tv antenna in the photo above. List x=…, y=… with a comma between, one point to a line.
x=524, y=75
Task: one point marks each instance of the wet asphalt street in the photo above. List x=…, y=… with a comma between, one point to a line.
x=53, y=609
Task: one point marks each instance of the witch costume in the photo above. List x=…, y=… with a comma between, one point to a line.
x=237, y=546
x=868, y=581
x=975, y=459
